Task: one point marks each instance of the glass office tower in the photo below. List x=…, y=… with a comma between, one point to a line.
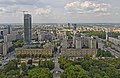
x=27, y=28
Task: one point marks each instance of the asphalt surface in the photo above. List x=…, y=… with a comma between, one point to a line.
x=56, y=71
x=113, y=52
x=7, y=58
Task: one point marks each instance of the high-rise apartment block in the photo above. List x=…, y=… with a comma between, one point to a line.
x=5, y=46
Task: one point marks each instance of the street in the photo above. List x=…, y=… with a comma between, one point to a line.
x=56, y=71
x=7, y=58
x=113, y=52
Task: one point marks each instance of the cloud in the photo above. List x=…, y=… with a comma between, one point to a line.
x=43, y=11
x=17, y=6
x=87, y=7
x=19, y=2
x=60, y=10
x=1, y=9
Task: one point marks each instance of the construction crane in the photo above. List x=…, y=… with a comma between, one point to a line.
x=24, y=12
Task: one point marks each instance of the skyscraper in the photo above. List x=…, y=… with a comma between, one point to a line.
x=9, y=29
x=27, y=28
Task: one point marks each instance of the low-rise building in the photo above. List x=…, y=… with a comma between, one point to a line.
x=33, y=51
x=78, y=52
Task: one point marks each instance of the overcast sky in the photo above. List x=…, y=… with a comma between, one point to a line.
x=61, y=11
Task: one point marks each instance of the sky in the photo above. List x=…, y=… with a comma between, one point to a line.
x=61, y=11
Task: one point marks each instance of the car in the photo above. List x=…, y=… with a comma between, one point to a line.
x=7, y=59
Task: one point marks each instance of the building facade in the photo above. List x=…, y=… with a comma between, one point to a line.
x=9, y=29
x=78, y=52
x=34, y=51
x=27, y=28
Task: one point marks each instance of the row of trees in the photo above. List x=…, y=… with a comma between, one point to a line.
x=90, y=68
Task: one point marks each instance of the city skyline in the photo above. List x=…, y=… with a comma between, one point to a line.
x=59, y=39
x=61, y=11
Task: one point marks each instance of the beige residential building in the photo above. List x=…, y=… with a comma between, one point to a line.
x=34, y=51
x=78, y=52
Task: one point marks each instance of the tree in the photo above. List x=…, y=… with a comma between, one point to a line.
x=86, y=64
x=74, y=72
x=46, y=64
x=69, y=34
x=101, y=53
x=12, y=65
x=32, y=56
x=99, y=34
x=2, y=76
x=112, y=72
x=12, y=74
x=36, y=55
x=106, y=76
x=39, y=73
x=68, y=64
x=64, y=62
x=24, y=66
x=18, y=56
x=96, y=75
x=23, y=69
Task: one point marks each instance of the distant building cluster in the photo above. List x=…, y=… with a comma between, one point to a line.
x=7, y=35
x=71, y=37
x=115, y=29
